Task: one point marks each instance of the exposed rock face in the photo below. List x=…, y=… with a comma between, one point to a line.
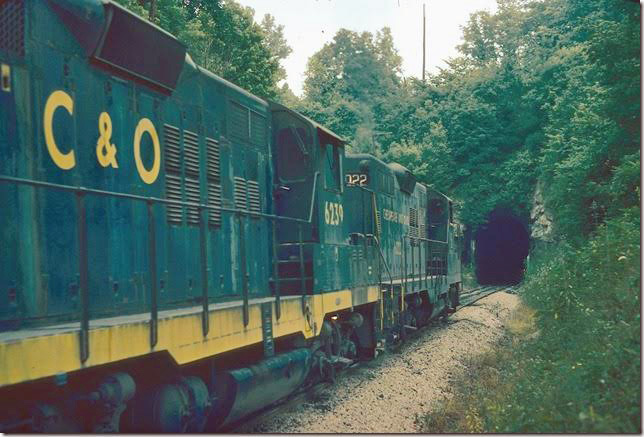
x=541, y=225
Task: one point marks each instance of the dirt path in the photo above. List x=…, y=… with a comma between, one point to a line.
x=387, y=395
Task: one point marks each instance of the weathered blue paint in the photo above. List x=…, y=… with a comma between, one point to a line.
x=39, y=239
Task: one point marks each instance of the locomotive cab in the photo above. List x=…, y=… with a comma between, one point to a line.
x=307, y=187
x=447, y=236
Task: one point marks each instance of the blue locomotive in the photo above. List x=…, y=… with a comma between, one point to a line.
x=177, y=253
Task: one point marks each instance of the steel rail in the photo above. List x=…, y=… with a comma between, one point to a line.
x=247, y=424
x=478, y=294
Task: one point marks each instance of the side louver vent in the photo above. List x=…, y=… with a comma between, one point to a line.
x=173, y=192
x=12, y=27
x=254, y=201
x=172, y=159
x=257, y=128
x=240, y=193
x=191, y=152
x=191, y=180
x=239, y=122
x=192, y=196
x=213, y=167
x=214, y=181
x=171, y=148
x=214, y=199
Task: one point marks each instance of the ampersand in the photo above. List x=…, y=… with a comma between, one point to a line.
x=105, y=151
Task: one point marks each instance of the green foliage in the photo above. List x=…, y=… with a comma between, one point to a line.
x=593, y=131
x=276, y=44
x=431, y=161
x=584, y=369
x=578, y=369
x=221, y=36
x=541, y=90
x=349, y=82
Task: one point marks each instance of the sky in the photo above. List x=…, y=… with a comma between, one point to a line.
x=309, y=24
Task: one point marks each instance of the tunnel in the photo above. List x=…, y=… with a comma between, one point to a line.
x=502, y=245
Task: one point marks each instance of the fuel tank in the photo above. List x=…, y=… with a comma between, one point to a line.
x=246, y=390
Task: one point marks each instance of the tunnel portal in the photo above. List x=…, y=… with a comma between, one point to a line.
x=502, y=246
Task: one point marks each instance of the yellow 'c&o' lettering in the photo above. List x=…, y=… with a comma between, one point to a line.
x=57, y=99
x=105, y=150
x=146, y=126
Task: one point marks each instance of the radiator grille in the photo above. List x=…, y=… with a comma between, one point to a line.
x=240, y=193
x=254, y=201
x=12, y=27
x=172, y=155
x=413, y=217
x=413, y=225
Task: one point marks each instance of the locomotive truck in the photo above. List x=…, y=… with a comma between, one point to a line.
x=176, y=253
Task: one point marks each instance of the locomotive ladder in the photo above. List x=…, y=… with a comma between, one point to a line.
x=381, y=288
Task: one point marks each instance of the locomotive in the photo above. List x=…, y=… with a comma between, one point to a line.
x=177, y=253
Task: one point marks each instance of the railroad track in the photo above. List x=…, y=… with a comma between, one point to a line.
x=469, y=297
x=307, y=393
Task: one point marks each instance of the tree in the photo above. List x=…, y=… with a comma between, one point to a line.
x=349, y=82
x=221, y=36
x=276, y=43
x=286, y=97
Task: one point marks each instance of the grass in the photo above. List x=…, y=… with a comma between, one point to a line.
x=571, y=359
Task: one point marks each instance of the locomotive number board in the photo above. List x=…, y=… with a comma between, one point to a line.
x=360, y=179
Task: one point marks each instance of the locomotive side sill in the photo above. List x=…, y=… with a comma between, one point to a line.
x=14, y=336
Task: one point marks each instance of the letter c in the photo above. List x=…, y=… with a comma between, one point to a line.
x=57, y=99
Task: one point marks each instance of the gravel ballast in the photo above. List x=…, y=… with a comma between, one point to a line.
x=389, y=394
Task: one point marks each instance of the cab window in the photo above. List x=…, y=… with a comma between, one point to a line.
x=293, y=148
x=332, y=169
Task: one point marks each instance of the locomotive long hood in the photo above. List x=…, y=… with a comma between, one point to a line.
x=123, y=42
x=337, y=139
x=406, y=179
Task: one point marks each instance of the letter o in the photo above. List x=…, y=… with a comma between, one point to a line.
x=146, y=126
x=55, y=100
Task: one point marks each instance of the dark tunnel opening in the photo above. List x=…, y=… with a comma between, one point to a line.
x=502, y=246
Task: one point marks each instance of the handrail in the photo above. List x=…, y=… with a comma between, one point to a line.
x=312, y=203
x=406, y=236
x=382, y=255
x=391, y=279
x=84, y=190
x=81, y=192
x=428, y=240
